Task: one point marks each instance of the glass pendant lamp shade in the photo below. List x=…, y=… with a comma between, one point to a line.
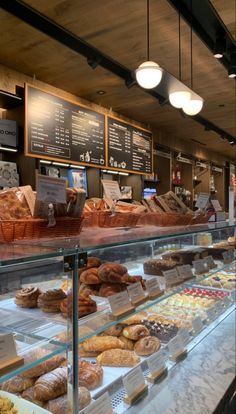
x=179, y=99
x=148, y=74
x=193, y=107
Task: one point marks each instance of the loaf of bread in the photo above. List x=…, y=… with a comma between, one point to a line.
x=51, y=385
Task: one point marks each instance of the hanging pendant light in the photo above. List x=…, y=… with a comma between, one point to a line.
x=195, y=104
x=148, y=74
x=178, y=98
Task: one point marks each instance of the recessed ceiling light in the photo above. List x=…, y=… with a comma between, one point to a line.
x=101, y=92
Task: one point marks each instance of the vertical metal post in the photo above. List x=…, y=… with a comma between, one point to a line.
x=75, y=348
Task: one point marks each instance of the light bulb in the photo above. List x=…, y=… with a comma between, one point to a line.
x=148, y=75
x=193, y=107
x=179, y=99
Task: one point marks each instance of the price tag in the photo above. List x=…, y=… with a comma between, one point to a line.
x=100, y=406
x=185, y=272
x=202, y=200
x=210, y=262
x=227, y=302
x=228, y=256
x=216, y=205
x=184, y=335
x=197, y=325
x=7, y=347
x=119, y=302
x=50, y=189
x=134, y=381
x=152, y=285
x=111, y=189
x=136, y=292
x=171, y=277
x=176, y=346
x=156, y=362
x=211, y=314
x=199, y=266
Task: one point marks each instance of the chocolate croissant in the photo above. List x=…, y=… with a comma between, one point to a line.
x=135, y=332
x=112, y=272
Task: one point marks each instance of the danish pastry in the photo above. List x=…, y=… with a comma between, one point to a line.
x=147, y=346
x=27, y=297
x=118, y=358
x=135, y=332
x=50, y=301
x=101, y=343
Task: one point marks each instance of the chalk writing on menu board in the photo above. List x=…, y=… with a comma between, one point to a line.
x=57, y=128
x=129, y=148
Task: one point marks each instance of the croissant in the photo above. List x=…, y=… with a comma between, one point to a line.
x=90, y=375
x=51, y=385
x=17, y=384
x=129, y=344
x=59, y=405
x=112, y=272
x=86, y=354
x=28, y=394
x=118, y=358
x=135, y=332
x=44, y=367
x=101, y=343
x=91, y=262
x=90, y=276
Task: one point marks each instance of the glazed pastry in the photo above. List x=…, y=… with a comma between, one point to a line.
x=17, y=384
x=118, y=358
x=129, y=344
x=89, y=289
x=90, y=375
x=27, y=297
x=51, y=385
x=84, y=398
x=115, y=330
x=135, y=319
x=147, y=346
x=28, y=395
x=135, y=332
x=86, y=305
x=50, y=301
x=101, y=343
x=91, y=262
x=66, y=285
x=109, y=289
x=86, y=354
x=112, y=272
x=59, y=405
x=90, y=276
x=42, y=368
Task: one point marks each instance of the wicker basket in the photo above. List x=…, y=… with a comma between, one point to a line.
x=201, y=218
x=107, y=219
x=12, y=230
x=164, y=219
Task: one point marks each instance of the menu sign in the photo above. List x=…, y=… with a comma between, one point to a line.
x=129, y=148
x=59, y=129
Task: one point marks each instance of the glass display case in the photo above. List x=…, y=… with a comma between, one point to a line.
x=143, y=304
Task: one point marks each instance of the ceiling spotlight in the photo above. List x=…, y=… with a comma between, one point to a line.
x=220, y=47
x=231, y=142
x=179, y=99
x=232, y=67
x=101, y=92
x=193, y=107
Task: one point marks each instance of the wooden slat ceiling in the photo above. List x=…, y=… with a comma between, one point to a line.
x=227, y=13
x=120, y=32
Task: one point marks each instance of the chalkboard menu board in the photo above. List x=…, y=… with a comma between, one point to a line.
x=129, y=148
x=59, y=129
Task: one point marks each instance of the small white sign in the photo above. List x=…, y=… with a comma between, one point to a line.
x=119, y=301
x=211, y=314
x=184, y=335
x=197, y=325
x=135, y=291
x=50, y=189
x=176, y=346
x=100, y=406
x=133, y=381
x=185, y=272
x=202, y=200
x=7, y=347
x=111, y=189
x=199, y=266
x=210, y=262
x=156, y=362
x=152, y=285
x=171, y=277
x=216, y=205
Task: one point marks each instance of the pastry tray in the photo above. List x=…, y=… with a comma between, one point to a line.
x=24, y=406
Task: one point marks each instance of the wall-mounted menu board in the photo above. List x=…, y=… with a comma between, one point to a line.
x=129, y=148
x=57, y=129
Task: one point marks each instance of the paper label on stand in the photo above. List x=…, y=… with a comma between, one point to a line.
x=152, y=285
x=156, y=362
x=184, y=335
x=50, y=189
x=216, y=205
x=199, y=266
x=111, y=189
x=100, y=406
x=211, y=314
x=119, y=301
x=197, y=325
x=171, y=277
x=133, y=381
x=202, y=200
x=135, y=291
x=176, y=345
x=7, y=347
x=185, y=272
x=210, y=262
